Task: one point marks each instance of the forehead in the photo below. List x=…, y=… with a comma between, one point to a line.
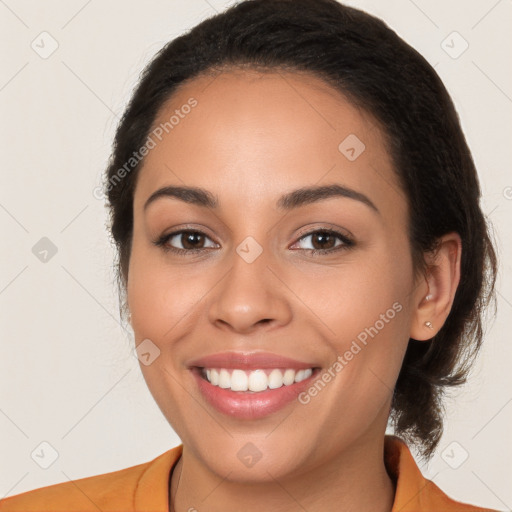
x=252, y=129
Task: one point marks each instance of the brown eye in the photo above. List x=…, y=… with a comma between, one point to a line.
x=192, y=240
x=323, y=241
x=185, y=241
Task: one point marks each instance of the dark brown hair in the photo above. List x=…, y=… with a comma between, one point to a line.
x=376, y=70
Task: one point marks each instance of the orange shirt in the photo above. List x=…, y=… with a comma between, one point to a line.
x=144, y=487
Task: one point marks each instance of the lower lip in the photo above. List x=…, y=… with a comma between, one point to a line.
x=249, y=405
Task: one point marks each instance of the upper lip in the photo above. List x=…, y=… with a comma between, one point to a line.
x=248, y=361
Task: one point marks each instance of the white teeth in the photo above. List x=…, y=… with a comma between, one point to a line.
x=256, y=380
x=224, y=379
x=213, y=377
x=275, y=379
x=239, y=381
x=289, y=377
x=303, y=374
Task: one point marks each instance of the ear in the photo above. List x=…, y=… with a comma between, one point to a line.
x=433, y=300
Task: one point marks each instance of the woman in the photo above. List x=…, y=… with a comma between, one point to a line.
x=303, y=258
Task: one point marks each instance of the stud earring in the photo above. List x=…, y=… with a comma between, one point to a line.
x=428, y=297
x=429, y=325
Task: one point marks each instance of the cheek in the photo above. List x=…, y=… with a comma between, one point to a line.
x=365, y=305
x=160, y=297
x=362, y=294
x=368, y=346
x=164, y=306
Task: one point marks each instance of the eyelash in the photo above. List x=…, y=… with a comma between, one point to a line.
x=347, y=242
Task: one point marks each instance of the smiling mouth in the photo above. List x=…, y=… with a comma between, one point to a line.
x=251, y=385
x=256, y=381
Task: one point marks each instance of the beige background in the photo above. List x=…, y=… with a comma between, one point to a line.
x=67, y=373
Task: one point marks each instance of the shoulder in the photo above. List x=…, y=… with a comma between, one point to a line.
x=82, y=494
x=414, y=492
x=108, y=492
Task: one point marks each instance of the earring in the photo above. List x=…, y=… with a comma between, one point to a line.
x=428, y=297
x=429, y=324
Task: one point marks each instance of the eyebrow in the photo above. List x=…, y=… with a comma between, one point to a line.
x=291, y=200
x=192, y=195
x=308, y=195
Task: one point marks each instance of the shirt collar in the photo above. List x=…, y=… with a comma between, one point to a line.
x=403, y=470
x=413, y=493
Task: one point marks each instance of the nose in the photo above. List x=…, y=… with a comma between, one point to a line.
x=249, y=298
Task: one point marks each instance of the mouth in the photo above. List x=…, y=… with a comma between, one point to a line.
x=254, y=381
x=251, y=386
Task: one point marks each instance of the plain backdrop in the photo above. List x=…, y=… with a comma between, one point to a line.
x=68, y=376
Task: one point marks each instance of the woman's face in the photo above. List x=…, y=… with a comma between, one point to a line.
x=247, y=283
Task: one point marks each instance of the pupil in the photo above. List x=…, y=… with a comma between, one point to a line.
x=190, y=240
x=324, y=241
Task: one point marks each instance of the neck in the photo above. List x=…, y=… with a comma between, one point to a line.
x=354, y=480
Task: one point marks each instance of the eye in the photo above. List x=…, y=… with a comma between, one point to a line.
x=323, y=241
x=320, y=241
x=185, y=241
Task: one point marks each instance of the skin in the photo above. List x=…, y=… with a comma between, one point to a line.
x=252, y=138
